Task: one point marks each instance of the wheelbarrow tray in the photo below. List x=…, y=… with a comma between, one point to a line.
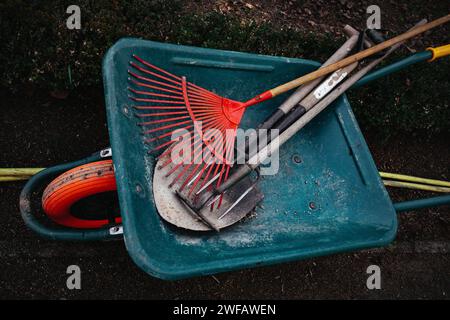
x=327, y=196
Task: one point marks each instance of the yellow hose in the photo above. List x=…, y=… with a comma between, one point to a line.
x=417, y=186
x=403, y=177
x=13, y=178
x=19, y=171
x=17, y=174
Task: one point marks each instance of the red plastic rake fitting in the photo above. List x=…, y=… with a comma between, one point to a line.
x=232, y=110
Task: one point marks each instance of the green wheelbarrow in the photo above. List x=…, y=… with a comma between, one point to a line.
x=327, y=197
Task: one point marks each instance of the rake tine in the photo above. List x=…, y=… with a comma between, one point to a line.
x=156, y=100
x=206, y=185
x=189, y=176
x=149, y=93
x=159, y=114
x=154, y=81
x=161, y=146
x=148, y=64
x=170, y=126
x=180, y=137
x=165, y=135
x=236, y=202
x=206, y=179
x=145, y=85
x=214, y=146
x=158, y=107
x=197, y=145
x=197, y=178
x=146, y=123
x=134, y=65
x=201, y=91
x=194, y=178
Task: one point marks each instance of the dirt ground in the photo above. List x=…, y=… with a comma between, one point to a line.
x=40, y=131
x=329, y=16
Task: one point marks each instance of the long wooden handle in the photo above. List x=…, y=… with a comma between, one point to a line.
x=358, y=56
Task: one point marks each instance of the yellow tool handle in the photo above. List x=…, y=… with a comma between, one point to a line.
x=19, y=171
x=17, y=174
x=13, y=178
x=417, y=186
x=358, y=56
x=396, y=176
x=439, y=52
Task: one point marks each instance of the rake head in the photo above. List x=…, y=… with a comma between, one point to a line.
x=196, y=127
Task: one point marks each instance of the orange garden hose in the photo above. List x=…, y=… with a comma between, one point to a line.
x=74, y=185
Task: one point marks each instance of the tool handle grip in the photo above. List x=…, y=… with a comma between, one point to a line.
x=439, y=52
x=29, y=213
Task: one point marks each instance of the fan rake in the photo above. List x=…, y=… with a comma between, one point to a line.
x=167, y=105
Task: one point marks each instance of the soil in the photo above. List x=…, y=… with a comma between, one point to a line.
x=329, y=16
x=38, y=131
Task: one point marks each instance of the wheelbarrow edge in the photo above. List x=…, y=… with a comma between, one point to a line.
x=165, y=271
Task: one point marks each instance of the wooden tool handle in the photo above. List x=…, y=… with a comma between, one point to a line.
x=358, y=56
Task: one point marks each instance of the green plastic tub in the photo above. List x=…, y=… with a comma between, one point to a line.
x=330, y=201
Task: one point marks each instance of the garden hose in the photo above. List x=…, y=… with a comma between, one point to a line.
x=29, y=212
x=17, y=174
x=90, y=179
x=12, y=178
x=417, y=186
x=412, y=182
x=403, y=177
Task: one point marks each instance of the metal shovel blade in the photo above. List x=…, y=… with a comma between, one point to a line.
x=172, y=209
